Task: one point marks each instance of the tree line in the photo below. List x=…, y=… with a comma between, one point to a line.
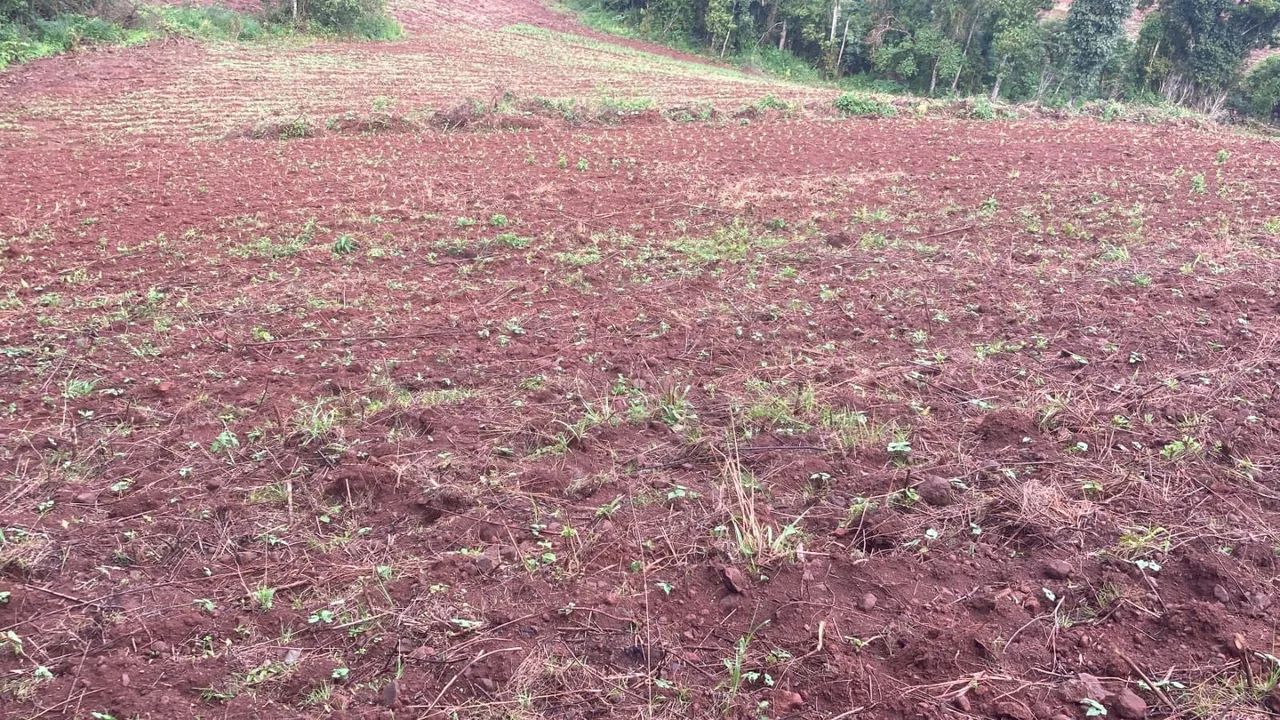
x=31, y=29
x=1190, y=52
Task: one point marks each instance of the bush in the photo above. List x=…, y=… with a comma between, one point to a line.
x=771, y=102
x=378, y=27
x=854, y=104
x=982, y=109
x=1259, y=94
x=209, y=22
x=780, y=63
x=359, y=18
x=69, y=31
x=45, y=37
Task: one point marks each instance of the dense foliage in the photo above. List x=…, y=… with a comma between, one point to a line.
x=1260, y=91
x=1187, y=51
x=32, y=29
x=361, y=18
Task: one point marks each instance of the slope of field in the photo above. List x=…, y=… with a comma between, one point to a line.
x=454, y=51
x=767, y=416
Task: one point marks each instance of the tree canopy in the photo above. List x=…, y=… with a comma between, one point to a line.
x=1189, y=51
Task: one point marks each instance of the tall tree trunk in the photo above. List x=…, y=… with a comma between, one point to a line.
x=835, y=17
x=840, y=57
x=964, y=56
x=782, y=39
x=995, y=89
x=933, y=77
x=725, y=45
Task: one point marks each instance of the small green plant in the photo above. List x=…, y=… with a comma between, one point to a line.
x=852, y=104
x=982, y=110
x=76, y=388
x=11, y=642
x=314, y=422
x=735, y=667
x=610, y=508
x=899, y=449
x=264, y=597
x=1114, y=253
x=344, y=245
x=679, y=492
x=295, y=129
x=1142, y=541
x=512, y=240
x=771, y=102
x=1182, y=448
x=1093, y=708
x=323, y=616
x=225, y=444
x=1198, y=185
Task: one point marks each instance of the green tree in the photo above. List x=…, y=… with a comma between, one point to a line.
x=1094, y=30
x=1015, y=52
x=720, y=22
x=1260, y=91
x=1192, y=51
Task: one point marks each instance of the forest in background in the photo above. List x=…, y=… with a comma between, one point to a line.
x=31, y=29
x=1191, y=53
x=1194, y=53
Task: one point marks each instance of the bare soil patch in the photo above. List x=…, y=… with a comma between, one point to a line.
x=748, y=417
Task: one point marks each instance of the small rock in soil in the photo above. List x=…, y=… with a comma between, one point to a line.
x=1221, y=595
x=1129, y=705
x=1272, y=701
x=1014, y=711
x=936, y=491
x=1084, y=686
x=1057, y=570
x=869, y=602
x=489, y=559
x=735, y=579
x=787, y=700
x=390, y=693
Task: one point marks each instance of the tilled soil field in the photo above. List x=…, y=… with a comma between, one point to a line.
x=767, y=416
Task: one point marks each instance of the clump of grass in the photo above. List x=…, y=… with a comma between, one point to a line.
x=982, y=110
x=203, y=22
x=852, y=104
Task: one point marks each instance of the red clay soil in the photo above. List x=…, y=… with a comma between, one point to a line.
x=747, y=418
